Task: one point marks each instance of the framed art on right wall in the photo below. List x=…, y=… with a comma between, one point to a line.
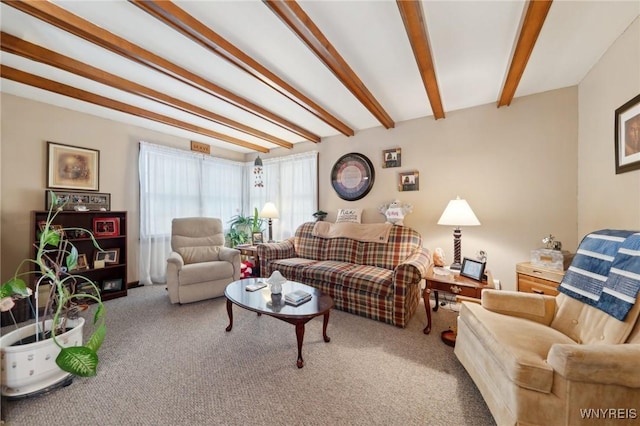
x=627, y=136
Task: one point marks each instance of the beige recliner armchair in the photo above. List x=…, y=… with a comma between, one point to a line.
x=200, y=266
x=545, y=360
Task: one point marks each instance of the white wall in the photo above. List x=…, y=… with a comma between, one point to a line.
x=607, y=200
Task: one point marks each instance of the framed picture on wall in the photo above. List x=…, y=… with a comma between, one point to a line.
x=391, y=158
x=72, y=167
x=409, y=181
x=627, y=136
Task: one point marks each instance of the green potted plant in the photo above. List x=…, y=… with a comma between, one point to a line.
x=241, y=228
x=320, y=215
x=59, y=330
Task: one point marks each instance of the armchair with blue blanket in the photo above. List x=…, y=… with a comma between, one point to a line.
x=570, y=359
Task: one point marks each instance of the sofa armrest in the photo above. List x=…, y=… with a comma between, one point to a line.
x=414, y=268
x=535, y=307
x=603, y=364
x=274, y=251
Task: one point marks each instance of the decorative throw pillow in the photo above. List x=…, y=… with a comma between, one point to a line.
x=349, y=215
x=199, y=254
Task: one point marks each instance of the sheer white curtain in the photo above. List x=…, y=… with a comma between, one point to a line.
x=177, y=183
x=291, y=183
x=169, y=187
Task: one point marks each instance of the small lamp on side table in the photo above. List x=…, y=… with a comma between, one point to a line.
x=269, y=211
x=458, y=213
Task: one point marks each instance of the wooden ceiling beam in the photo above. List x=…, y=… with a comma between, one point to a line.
x=535, y=15
x=416, y=27
x=82, y=95
x=16, y=46
x=301, y=24
x=177, y=18
x=65, y=20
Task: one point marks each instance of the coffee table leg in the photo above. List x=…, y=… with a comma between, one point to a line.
x=324, y=327
x=300, y=338
x=427, y=307
x=230, y=312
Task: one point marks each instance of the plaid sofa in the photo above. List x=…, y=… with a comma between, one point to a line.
x=376, y=280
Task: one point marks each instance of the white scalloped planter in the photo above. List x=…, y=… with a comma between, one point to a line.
x=31, y=368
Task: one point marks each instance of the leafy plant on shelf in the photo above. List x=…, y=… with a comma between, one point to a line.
x=69, y=294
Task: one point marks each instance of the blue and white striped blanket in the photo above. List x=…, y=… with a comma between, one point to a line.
x=605, y=272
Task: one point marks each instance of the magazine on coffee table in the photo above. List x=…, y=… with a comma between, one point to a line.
x=297, y=297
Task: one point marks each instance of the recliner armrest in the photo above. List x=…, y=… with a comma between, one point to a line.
x=605, y=364
x=176, y=259
x=535, y=307
x=227, y=254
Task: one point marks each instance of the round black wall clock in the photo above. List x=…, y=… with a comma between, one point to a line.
x=352, y=176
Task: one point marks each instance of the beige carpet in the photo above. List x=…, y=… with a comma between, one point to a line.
x=166, y=364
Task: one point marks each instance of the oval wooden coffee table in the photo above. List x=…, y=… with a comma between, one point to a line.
x=263, y=302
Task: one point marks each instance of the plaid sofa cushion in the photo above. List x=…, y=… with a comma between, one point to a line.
x=308, y=246
x=370, y=279
x=403, y=241
x=291, y=268
x=328, y=271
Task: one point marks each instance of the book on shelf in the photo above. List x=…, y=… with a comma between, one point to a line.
x=297, y=297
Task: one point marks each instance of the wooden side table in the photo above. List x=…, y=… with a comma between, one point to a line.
x=534, y=279
x=251, y=251
x=451, y=283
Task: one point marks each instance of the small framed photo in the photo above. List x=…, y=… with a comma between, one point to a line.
x=82, y=262
x=107, y=256
x=391, y=158
x=409, y=181
x=106, y=226
x=627, y=136
x=473, y=269
x=256, y=238
x=72, y=167
x=112, y=284
x=73, y=200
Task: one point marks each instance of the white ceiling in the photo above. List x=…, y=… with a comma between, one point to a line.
x=471, y=44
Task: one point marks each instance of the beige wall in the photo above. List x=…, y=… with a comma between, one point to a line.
x=516, y=167
x=607, y=200
x=26, y=127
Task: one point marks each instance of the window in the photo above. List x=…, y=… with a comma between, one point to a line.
x=177, y=183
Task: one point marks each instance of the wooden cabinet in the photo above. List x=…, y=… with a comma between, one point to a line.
x=110, y=231
x=533, y=279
